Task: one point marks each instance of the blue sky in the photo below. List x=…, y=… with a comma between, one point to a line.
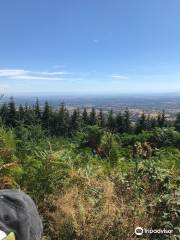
x=89, y=46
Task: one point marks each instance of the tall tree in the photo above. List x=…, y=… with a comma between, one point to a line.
x=111, y=121
x=67, y=122
x=12, y=114
x=46, y=117
x=153, y=122
x=21, y=113
x=101, y=119
x=161, y=119
x=61, y=119
x=29, y=116
x=92, y=117
x=150, y=123
x=85, y=116
x=177, y=122
x=4, y=113
x=37, y=110
x=127, y=121
x=141, y=123
x=119, y=122
x=74, y=125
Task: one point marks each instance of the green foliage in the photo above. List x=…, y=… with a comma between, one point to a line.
x=37, y=111
x=92, y=117
x=7, y=139
x=10, y=169
x=75, y=121
x=165, y=137
x=111, y=121
x=168, y=158
x=141, y=124
x=79, y=169
x=4, y=113
x=29, y=138
x=85, y=116
x=101, y=119
x=90, y=137
x=46, y=117
x=177, y=122
x=127, y=121
x=119, y=123
x=11, y=119
x=109, y=148
x=161, y=120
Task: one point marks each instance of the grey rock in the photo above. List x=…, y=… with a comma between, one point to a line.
x=19, y=214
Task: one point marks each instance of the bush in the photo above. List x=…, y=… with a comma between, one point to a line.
x=10, y=170
x=109, y=148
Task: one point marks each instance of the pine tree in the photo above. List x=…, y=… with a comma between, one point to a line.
x=161, y=119
x=177, y=122
x=149, y=123
x=119, y=122
x=21, y=114
x=37, y=110
x=26, y=115
x=62, y=121
x=4, y=113
x=67, y=123
x=153, y=123
x=85, y=116
x=46, y=117
x=101, y=119
x=141, y=123
x=127, y=121
x=74, y=125
x=92, y=117
x=54, y=123
x=111, y=124
x=12, y=114
x=29, y=116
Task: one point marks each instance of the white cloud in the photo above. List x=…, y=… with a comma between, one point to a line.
x=12, y=72
x=22, y=74
x=119, y=77
x=28, y=75
x=52, y=73
x=31, y=77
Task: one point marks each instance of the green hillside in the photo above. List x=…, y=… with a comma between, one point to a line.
x=93, y=175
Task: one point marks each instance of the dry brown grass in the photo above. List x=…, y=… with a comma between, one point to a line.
x=90, y=208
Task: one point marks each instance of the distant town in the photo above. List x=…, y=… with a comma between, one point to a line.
x=137, y=104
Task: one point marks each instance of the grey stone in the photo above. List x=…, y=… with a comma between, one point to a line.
x=19, y=214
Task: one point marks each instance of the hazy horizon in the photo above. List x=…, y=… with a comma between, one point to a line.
x=108, y=94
